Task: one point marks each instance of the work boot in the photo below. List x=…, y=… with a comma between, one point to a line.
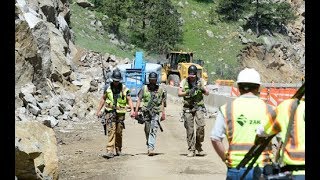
x=119, y=153
x=200, y=153
x=150, y=152
x=108, y=155
x=191, y=154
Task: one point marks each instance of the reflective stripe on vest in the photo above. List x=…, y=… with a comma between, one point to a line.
x=121, y=100
x=242, y=116
x=276, y=126
x=238, y=147
x=294, y=106
x=295, y=148
x=243, y=147
x=296, y=155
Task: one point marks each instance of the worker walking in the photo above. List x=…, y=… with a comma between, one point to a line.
x=192, y=90
x=290, y=125
x=115, y=98
x=237, y=121
x=152, y=99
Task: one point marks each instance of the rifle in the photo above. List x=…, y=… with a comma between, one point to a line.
x=140, y=118
x=150, y=108
x=254, y=153
x=299, y=94
x=104, y=71
x=104, y=121
x=256, y=150
x=194, y=87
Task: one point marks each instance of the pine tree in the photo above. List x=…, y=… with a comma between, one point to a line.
x=266, y=16
x=116, y=11
x=165, y=30
x=232, y=10
x=138, y=18
x=98, y=4
x=270, y=16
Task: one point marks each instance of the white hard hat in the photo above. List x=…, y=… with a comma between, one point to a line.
x=249, y=75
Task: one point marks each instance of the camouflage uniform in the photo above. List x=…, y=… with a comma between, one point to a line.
x=193, y=114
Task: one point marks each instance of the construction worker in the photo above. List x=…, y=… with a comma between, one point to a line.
x=237, y=120
x=115, y=98
x=292, y=152
x=152, y=97
x=192, y=90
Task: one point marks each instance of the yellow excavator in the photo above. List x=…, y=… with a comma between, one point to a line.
x=176, y=67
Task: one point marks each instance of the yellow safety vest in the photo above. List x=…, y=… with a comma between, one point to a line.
x=295, y=148
x=195, y=100
x=242, y=117
x=121, y=100
x=147, y=97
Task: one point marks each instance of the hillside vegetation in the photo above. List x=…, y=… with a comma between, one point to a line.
x=216, y=42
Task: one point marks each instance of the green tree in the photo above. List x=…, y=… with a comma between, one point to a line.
x=98, y=4
x=138, y=19
x=232, y=10
x=164, y=30
x=213, y=16
x=284, y=14
x=270, y=17
x=116, y=10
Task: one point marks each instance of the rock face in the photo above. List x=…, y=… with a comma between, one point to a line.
x=47, y=66
x=271, y=64
x=36, y=151
x=42, y=41
x=26, y=54
x=280, y=59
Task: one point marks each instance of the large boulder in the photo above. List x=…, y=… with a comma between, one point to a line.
x=25, y=53
x=35, y=151
x=84, y=3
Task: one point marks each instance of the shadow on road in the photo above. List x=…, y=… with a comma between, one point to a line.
x=154, y=154
x=195, y=155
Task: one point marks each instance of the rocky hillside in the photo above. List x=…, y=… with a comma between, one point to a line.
x=57, y=83
x=279, y=59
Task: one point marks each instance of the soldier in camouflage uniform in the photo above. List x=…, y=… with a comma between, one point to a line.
x=152, y=100
x=192, y=90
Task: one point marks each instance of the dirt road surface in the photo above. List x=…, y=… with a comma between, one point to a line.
x=80, y=145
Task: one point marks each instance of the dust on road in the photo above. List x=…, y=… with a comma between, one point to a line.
x=81, y=143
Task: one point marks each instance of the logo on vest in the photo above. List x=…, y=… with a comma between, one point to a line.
x=242, y=120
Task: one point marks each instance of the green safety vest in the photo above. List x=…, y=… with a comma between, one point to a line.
x=197, y=99
x=242, y=117
x=147, y=97
x=121, y=100
x=295, y=148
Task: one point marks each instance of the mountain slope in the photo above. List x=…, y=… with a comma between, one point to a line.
x=220, y=45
